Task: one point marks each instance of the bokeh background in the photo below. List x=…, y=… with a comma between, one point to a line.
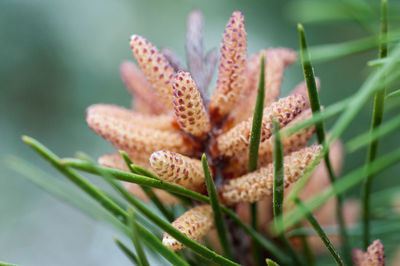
x=58, y=57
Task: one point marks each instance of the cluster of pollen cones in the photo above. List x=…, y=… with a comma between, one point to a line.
x=173, y=121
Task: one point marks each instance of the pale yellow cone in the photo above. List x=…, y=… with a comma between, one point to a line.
x=144, y=98
x=178, y=169
x=195, y=224
x=154, y=66
x=236, y=140
x=188, y=105
x=374, y=256
x=254, y=186
x=231, y=68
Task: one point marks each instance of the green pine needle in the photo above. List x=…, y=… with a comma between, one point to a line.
x=311, y=84
x=314, y=223
x=351, y=106
x=379, y=62
x=393, y=94
x=142, y=259
x=219, y=220
x=319, y=127
x=313, y=95
x=377, y=117
x=142, y=171
x=102, y=199
x=279, y=184
x=254, y=145
x=279, y=190
x=328, y=52
x=358, y=100
x=128, y=253
x=7, y=264
x=341, y=185
x=328, y=112
x=257, y=121
x=271, y=262
x=148, y=191
x=306, y=249
x=63, y=191
x=151, y=182
x=167, y=227
x=388, y=226
x=375, y=134
x=77, y=179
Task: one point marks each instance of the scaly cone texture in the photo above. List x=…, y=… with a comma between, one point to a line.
x=258, y=184
x=292, y=142
x=374, y=256
x=195, y=224
x=302, y=89
x=189, y=108
x=145, y=100
x=178, y=169
x=115, y=160
x=173, y=122
x=160, y=122
x=237, y=139
x=238, y=164
x=154, y=66
x=325, y=215
x=136, y=139
x=231, y=68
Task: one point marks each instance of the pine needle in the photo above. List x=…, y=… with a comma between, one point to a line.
x=219, y=221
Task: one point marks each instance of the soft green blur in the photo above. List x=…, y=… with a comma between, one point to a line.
x=58, y=57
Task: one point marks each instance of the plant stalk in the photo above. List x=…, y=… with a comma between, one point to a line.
x=148, y=191
x=377, y=117
x=253, y=151
x=219, y=220
x=316, y=108
x=314, y=223
x=278, y=192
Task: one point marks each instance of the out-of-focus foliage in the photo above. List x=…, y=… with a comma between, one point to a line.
x=58, y=57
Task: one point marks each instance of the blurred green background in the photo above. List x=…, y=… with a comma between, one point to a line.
x=58, y=57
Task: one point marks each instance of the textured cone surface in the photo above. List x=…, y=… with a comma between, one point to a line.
x=195, y=224
x=160, y=122
x=116, y=161
x=237, y=139
x=136, y=139
x=238, y=164
x=145, y=100
x=154, y=66
x=302, y=89
x=189, y=108
x=231, y=68
x=290, y=143
x=320, y=177
x=254, y=186
x=374, y=256
x=178, y=169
